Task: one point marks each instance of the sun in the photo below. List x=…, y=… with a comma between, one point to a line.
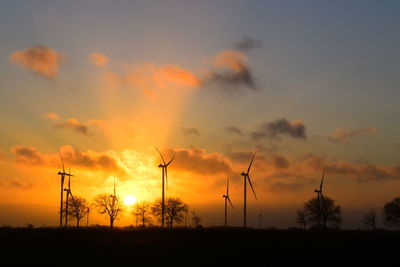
x=130, y=200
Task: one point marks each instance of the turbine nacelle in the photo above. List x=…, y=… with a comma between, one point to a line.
x=243, y=174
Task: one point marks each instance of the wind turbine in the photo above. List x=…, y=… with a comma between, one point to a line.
x=68, y=193
x=62, y=175
x=246, y=177
x=164, y=170
x=227, y=198
x=320, y=197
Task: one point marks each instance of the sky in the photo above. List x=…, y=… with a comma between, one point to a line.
x=307, y=85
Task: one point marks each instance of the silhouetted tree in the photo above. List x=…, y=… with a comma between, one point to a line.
x=174, y=210
x=391, y=213
x=330, y=214
x=301, y=218
x=109, y=205
x=142, y=213
x=370, y=219
x=77, y=208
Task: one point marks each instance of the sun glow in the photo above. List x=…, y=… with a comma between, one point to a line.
x=130, y=200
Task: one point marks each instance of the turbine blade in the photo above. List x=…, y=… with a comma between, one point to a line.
x=229, y=199
x=248, y=170
x=170, y=161
x=114, y=187
x=62, y=161
x=69, y=179
x=254, y=192
x=322, y=180
x=227, y=187
x=160, y=155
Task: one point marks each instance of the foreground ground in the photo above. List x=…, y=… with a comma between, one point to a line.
x=208, y=246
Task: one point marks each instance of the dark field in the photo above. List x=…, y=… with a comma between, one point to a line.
x=208, y=246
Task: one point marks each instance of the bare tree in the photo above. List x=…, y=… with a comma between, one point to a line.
x=391, y=213
x=326, y=211
x=109, y=205
x=301, y=218
x=174, y=210
x=142, y=213
x=77, y=208
x=370, y=219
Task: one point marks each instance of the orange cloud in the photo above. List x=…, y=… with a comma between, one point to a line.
x=40, y=59
x=98, y=59
x=234, y=60
x=52, y=115
x=346, y=136
x=150, y=77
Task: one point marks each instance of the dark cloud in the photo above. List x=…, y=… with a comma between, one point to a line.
x=363, y=171
x=279, y=127
x=74, y=125
x=234, y=129
x=230, y=73
x=18, y=185
x=27, y=155
x=190, y=131
x=280, y=161
x=248, y=44
x=198, y=161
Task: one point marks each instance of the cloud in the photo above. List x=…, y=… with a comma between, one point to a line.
x=234, y=129
x=362, y=171
x=98, y=59
x=274, y=129
x=280, y=161
x=346, y=136
x=40, y=59
x=247, y=44
x=74, y=125
x=198, y=161
x=230, y=72
x=18, y=185
x=27, y=155
x=190, y=131
x=52, y=115
x=150, y=77
x=89, y=159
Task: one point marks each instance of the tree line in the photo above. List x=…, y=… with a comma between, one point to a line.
x=326, y=214
x=313, y=214
x=176, y=211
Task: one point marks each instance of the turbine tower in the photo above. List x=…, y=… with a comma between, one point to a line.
x=260, y=219
x=164, y=167
x=320, y=197
x=62, y=175
x=246, y=177
x=227, y=198
x=68, y=193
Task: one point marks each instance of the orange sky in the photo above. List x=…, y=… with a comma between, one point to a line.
x=105, y=85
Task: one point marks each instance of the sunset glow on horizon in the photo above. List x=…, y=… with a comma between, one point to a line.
x=309, y=87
